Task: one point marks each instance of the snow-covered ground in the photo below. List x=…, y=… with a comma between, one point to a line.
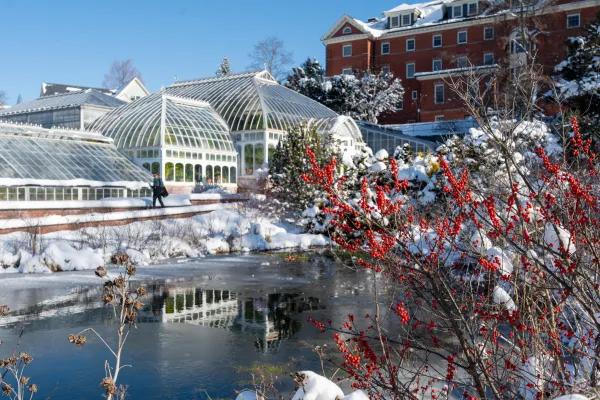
x=230, y=228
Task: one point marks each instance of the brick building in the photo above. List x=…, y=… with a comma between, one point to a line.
x=424, y=44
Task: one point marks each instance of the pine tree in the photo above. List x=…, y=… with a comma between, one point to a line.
x=19, y=99
x=224, y=68
x=578, y=81
x=307, y=79
x=289, y=161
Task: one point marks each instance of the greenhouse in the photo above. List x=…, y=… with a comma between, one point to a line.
x=183, y=140
x=259, y=111
x=38, y=164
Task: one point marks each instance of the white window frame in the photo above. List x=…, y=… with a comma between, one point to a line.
x=578, y=15
x=485, y=29
x=433, y=65
x=409, y=19
x=398, y=21
x=454, y=11
x=344, y=50
x=414, y=70
x=386, y=69
x=433, y=41
x=435, y=100
x=414, y=95
x=401, y=102
x=488, y=54
x=439, y=118
x=347, y=30
x=346, y=70
x=414, y=44
x=458, y=37
x=388, y=46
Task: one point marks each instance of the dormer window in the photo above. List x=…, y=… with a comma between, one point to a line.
x=457, y=12
x=407, y=19
x=395, y=22
x=347, y=31
x=472, y=9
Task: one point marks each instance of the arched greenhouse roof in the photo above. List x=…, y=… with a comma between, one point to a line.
x=187, y=123
x=253, y=101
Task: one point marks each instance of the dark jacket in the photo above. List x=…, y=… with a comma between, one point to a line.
x=157, y=186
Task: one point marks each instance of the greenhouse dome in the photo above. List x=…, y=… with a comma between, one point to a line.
x=181, y=139
x=259, y=111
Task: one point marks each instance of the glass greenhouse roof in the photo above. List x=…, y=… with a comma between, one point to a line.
x=65, y=100
x=253, y=101
x=31, y=155
x=187, y=123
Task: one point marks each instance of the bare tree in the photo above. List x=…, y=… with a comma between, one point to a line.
x=120, y=73
x=271, y=55
x=3, y=98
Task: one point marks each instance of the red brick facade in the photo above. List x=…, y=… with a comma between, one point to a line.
x=421, y=106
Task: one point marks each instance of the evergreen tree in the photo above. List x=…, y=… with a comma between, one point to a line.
x=307, y=79
x=19, y=99
x=289, y=161
x=224, y=68
x=578, y=81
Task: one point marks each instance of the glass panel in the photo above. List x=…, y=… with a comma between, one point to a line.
x=225, y=177
x=114, y=193
x=209, y=174
x=67, y=194
x=75, y=194
x=170, y=172
x=249, y=158
x=232, y=175
x=218, y=174
x=21, y=194
x=198, y=173
x=59, y=193
x=156, y=153
x=179, y=173
x=189, y=173
x=13, y=194
x=3, y=195
x=156, y=168
x=147, y=166
x=144, y=154
x=259, y=155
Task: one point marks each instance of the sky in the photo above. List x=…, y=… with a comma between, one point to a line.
x=75, y=42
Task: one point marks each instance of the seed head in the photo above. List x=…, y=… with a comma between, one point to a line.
x=26, y=358
x=138, y=305
x=108, y=385
x=6, y=389
x=78, y=340
x=119, y=282
x=130, y=317
x=100, y=272
x=33, y=388
x=24, y=380
x=109, y=298
x=109, y=286
x=141, y=291
x=130, y=269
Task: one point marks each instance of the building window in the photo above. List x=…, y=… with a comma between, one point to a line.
x=347, y=30
x=410, y=70
x=437, y=40
x=400, y=105
x=488, y=59
x=410, y=44
x=394, y=22
x=488, y=33
x=573, y=21
x=462, y=37
x=437, y=65
x=385, y=48
x=170, y=172
x=473, y=9
x=347, y=71
x=439, y=94
x=439, y=118
x=415, y=94
x=462, y=62
x=406, y=19
x=347, y=50
x=386, y=69
x=457, y=12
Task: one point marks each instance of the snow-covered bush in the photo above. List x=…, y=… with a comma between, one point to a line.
x=494, y=282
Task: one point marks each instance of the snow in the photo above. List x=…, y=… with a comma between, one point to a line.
x=356, y=395
x=503, y=298
x=563, y=239
x=318, y=387
x=382, y=155
x=378, y=166
x=573, y=397
x=144, y=202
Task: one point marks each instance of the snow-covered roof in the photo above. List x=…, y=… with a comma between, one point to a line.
x=253, y=101
x=50, y=89
x=187, y=123
x=134, y=81
x=65, y=100
x=31, y=155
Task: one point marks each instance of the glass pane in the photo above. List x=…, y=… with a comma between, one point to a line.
x=179, y=173
x=232, y=175
x=156, y=168
x=198, y=173
x=189, y=173
x=259, y=155
x=3, y=195
x=225, y=177
x=67, y=194
x=249, y=158
x=170, y=172
x=59, y=194
x=209, y=174
x=218, y=174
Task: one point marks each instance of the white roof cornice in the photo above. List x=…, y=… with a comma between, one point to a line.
x=345, y=19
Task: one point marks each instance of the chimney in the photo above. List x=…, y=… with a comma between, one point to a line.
x=373, y=19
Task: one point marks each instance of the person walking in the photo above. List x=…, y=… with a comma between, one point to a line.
x=158, y=187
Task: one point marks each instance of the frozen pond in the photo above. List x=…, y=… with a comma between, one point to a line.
x=203, y=318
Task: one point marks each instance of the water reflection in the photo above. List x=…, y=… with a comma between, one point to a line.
x=268, y=318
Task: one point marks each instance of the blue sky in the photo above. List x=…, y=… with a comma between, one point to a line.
x=74, y=42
